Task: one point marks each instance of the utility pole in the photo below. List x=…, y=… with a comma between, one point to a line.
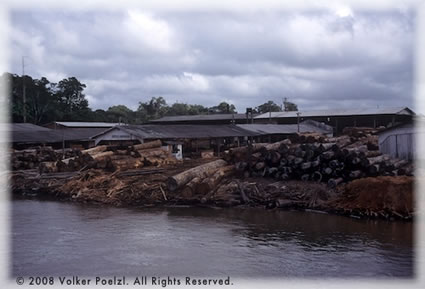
x=298, y=121
x=24, y=98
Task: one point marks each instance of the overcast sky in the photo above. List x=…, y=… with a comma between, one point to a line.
x=323, y=59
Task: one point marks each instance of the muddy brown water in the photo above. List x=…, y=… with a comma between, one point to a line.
x=52, y=238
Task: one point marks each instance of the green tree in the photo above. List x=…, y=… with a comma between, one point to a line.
x=120, y=113
x=267, y=107
x=223, y=108
x=41, y=105
x=289, y=106
x=195, y=109
x=156, y=108
x=72, y=101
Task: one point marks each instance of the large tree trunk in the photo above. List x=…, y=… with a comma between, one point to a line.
x=210, y=183
x=102, y=155
x=183, y=178
x=95, y=150
x=148, y=145
x=153, y=152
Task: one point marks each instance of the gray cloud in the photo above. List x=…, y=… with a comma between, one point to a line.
x=317, y=59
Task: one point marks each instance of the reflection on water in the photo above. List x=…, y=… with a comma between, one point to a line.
x=71, y=239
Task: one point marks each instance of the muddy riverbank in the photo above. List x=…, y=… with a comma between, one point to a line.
x=381, y=197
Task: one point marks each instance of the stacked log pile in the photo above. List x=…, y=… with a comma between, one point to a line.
x=332, y=160
x=112, y=158
x=31, y=158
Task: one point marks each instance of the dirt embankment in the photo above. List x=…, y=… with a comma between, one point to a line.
x=377, y=197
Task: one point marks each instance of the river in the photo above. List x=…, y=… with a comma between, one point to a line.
x=52, y=238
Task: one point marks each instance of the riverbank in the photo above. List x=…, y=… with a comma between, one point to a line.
x=385, y=197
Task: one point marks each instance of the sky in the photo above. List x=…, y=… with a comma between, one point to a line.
x=317, y=59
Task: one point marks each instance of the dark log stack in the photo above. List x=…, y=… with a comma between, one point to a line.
x=112, y=158
x=332, y=160
x=31, y=158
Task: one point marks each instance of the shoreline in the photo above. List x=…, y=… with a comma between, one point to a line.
x=330, y=206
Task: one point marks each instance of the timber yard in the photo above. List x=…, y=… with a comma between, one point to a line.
x=357, y=163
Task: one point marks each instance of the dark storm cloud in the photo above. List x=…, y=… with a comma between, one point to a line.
x=318, y=59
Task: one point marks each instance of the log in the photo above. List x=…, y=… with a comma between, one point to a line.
x=190, y=188
x=356, y=174
x=317, y=176
x=283, y=162
x=326, y=146
x=275, y=146
x=208, y=184
x=285, y=203
x=399, y=163
x=259, y=166
x=305, y=166
x=327, y=171
x=298, y=161
x=273, y=157
x=334, y=164
x=283, y=148
x=66, y=161
x=305, y=177
x=183, y=178
x=101, y=155
x=378, y=159
x=48, y=167
x=332, y=183
x=362, y=148
x=148, y=145
x=128, y=163
x=244, y=197
x=154, y=152
x=95, y=150
x=370, y=154
x=119, y=157
x=327, y=155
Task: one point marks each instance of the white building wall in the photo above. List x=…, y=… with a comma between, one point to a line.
x=398, y=142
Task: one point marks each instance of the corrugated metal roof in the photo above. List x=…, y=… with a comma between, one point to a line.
x=86, y=124
x=214, y=131
x=81, y=133
x=182, y=131
x=265, y=129
x=31, y=133
x=187, y=131
x=22, y=127
x=36, y=137
x=200, y=117
x=338, y=112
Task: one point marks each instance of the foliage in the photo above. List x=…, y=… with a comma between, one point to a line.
x=289, y=106
x=223, y=107
x=267, y=107
x=66, y=101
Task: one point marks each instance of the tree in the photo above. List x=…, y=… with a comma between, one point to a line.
x=223, y=108
x=120, y=113
x=268, y=106
x=155, y=108
x=289, y=106
x=41, y=105
x=71, y=99
x=195, y=109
